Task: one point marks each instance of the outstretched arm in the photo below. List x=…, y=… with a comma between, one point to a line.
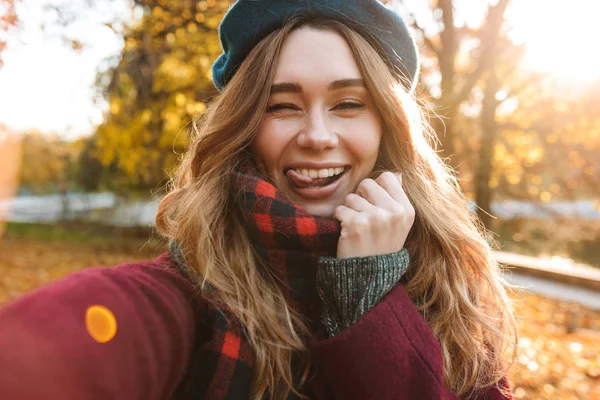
x=47, y=351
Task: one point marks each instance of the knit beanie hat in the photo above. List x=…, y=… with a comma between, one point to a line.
x=249, y=21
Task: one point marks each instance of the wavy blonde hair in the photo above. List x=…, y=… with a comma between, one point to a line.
x=453, y=278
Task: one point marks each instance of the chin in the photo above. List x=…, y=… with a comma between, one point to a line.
x=320, y=210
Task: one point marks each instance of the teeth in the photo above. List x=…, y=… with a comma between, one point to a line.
x=321, y=173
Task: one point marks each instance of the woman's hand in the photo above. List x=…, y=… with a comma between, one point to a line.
x=376, y=219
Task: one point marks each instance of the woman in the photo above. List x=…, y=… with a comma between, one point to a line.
x=318, y=246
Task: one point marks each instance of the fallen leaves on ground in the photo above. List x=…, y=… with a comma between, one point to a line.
x=26, y=263
x=553, y=363
x=559, y=350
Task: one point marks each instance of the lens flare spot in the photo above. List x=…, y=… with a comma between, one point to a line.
x=101, y=323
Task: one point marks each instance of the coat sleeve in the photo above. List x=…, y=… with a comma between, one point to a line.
x=47, y=352
x=390, y=353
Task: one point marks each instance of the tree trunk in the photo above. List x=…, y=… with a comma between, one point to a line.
x=454, y=88
x=445, y=105
x=489, y=132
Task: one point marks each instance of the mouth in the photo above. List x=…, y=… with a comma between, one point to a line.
x=315, y=184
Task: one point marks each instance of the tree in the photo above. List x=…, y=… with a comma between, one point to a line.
x=162, y=81
x=10, y=168
x=48, y=162
x=456, y=81
x=8, y=19
x=503, y=81
x=549, y=146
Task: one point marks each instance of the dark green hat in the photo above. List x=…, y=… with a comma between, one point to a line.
x=249, y=21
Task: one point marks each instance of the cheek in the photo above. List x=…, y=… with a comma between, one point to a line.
x=366, y=139
x=268, y=144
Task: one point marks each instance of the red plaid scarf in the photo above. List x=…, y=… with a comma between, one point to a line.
x=290, y=240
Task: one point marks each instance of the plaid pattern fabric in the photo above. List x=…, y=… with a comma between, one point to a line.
x=290, y=241
x=287, y=237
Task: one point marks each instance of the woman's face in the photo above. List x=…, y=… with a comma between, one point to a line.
x=321, y=132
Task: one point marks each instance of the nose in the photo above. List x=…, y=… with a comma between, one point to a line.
x=318, y=134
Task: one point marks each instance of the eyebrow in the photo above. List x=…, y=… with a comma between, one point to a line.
x=295, y=88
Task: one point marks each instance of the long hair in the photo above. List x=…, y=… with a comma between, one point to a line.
x=453, y=278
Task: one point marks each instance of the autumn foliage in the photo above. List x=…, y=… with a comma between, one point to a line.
x=162, y=81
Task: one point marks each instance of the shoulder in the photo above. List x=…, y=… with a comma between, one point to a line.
x=159, y=276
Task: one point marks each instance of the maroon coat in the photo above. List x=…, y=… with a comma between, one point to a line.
x=47, y=353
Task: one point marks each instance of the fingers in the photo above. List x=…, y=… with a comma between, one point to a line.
x=343, y=213
x=375, y=194
x=384, y=193
x=392, y=183
x=357, y=203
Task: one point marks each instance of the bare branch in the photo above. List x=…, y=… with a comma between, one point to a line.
x=426, y=39
x=489, y=42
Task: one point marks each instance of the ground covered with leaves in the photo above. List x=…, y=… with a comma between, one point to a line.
x=559, y=346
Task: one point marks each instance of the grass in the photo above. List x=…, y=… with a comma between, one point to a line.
x=36, y=254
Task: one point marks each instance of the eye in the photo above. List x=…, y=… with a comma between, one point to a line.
x=348, y=105
x=281, y=107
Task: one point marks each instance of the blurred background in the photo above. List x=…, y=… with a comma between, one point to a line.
x=96, y=97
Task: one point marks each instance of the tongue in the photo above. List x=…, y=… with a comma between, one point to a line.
x=301, y=181
x=297, y=179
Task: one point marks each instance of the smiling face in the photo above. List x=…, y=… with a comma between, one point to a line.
x=321, y=132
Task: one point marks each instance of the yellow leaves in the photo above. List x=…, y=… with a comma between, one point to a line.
x=589, y=171
x=576, y=159
x=180, y=33
x=546, y=196
x=205, y=62
x=115, y=106
x=52, y=156
x=157, y=12
x=552, y=138
x=76, y=45
x=173, y=74
x=533, y=191
x=535, y=155
x=159, y=27
x=130, y=44
x=554, y=364
x=146, y=116
x=213, y=22
x=513, y=179
x=200, y=18
x=11, y=159
x=202, y=5
x=21, y=269
x=195, y=108
x=180, y=99
x=192, y=28
x=172, y=120
x=146, y=123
